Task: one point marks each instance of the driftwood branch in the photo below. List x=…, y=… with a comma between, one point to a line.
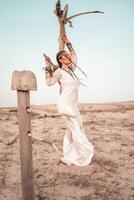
x=51, y=143
x=45, y=114
x=83, y=13
x=63, y=19
x=13, y=109
x=11, y=141
x=65, y=11
x=61, y=15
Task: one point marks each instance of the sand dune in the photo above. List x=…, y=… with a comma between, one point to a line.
x=110, y=176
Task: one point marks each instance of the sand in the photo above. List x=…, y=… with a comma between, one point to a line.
x=110, y=175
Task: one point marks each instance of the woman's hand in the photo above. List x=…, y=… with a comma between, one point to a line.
x=65, y=39
x=47, y=61
x=47, y=68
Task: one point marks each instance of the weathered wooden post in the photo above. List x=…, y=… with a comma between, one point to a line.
x=23, y=82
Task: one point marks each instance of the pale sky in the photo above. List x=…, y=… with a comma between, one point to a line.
x=104, y=44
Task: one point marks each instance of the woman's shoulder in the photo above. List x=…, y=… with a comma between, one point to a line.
x=57, y=71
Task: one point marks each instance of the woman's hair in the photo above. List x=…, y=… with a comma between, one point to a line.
x=58, y=57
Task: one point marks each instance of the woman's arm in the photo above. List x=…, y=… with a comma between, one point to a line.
x=51, y=77
x=69, y=45
x=70, y=48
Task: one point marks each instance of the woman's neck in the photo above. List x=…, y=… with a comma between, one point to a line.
x=64, y=66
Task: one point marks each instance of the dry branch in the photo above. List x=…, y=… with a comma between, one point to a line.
x=64, y=16
x=47, y=141
x=13, y=109
x=45, y=114
x=63, y=19
x=83, y=13
x=11, y=141
x=52, y=143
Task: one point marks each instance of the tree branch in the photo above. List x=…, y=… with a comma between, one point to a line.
x=45, y=114
x=65, y=11
x=89, y=12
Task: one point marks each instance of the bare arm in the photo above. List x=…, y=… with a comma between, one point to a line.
x=71, y=50
x=69, y=45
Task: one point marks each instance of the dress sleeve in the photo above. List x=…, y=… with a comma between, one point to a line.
x=75, y=60
x=54, y=79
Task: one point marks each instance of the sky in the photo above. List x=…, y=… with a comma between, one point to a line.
x=104, y=44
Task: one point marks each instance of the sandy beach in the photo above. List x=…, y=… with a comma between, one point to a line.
x=110, y=176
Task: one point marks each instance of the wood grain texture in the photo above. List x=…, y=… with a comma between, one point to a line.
x=23, y=80
x=25, y=145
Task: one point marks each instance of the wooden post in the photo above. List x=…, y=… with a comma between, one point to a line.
x=23, y=82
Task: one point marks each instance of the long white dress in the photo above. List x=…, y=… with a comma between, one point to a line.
x=76, y=147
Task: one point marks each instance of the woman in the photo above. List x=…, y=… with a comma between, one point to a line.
x=76, y=147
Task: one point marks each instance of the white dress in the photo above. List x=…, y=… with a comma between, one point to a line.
x=76, y=147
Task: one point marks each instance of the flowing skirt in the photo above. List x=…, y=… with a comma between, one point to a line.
x=76, y=147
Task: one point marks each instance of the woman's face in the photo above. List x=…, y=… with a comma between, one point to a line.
x=65, y=58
